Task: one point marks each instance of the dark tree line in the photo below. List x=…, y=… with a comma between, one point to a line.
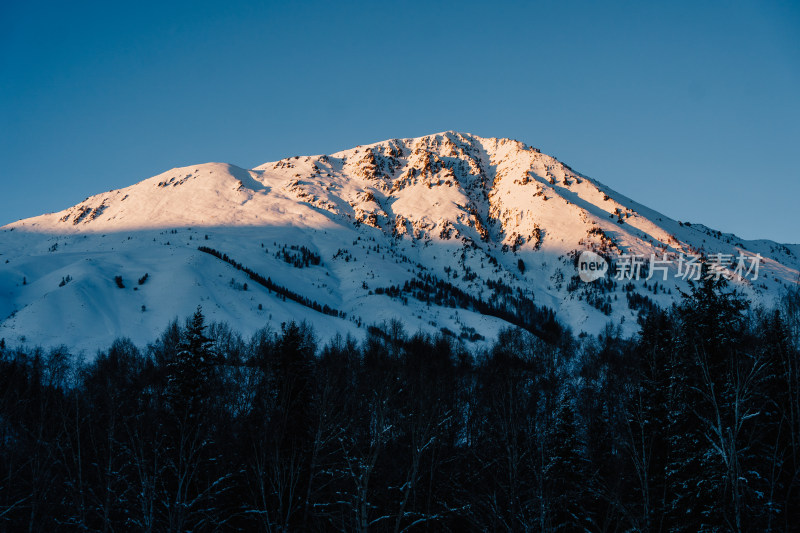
x=272, y=286
x=694, y=425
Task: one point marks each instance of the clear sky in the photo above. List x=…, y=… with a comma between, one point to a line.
x=691, y=108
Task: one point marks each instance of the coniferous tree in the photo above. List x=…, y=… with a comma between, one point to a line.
x=566, y=472
x=645, y=437
x=715, y=407
x=190, y=372
x=192, y=486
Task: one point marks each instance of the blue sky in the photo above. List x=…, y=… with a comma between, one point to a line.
x=691, y=108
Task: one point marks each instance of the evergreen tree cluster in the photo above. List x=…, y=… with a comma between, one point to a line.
x=694, y=425
x=298, y=256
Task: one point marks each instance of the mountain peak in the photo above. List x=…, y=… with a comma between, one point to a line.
x=487, y=220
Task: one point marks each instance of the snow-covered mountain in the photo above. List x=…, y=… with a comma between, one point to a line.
x=449, y=232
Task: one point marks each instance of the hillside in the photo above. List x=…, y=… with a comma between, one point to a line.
x=448, y=232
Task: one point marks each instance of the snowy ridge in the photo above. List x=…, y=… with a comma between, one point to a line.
x=493, y=218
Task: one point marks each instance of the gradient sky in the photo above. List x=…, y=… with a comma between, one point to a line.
x=691, y=108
